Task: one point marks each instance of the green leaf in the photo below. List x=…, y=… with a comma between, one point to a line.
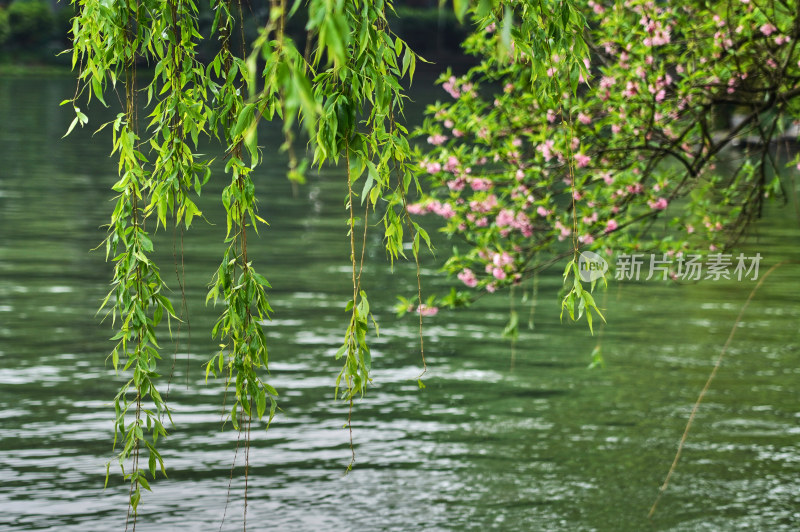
x=97, y=88
x=244, y=120
x=367, y=186
x=260, y=279
x=261, y=403
x=151, y=462
x=460, y=7
x=71, y=126
x=135, y=496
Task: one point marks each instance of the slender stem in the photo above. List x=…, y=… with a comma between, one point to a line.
x=711, y=376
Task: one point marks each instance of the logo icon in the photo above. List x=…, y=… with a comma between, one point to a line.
x=591, y=266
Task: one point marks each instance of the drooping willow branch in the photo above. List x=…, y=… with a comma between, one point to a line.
x=345, y=92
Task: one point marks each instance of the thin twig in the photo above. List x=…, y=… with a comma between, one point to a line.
x=696, y=406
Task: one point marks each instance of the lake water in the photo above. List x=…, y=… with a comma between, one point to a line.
x=526, y=441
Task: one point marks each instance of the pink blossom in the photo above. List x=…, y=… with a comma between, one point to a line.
x=484, y=206
x=499, y=273
x=437, y=139
x=507, y=220
x=586, y=239
x=433, y=167
x=425, y=310
x=456, y=184
x=582, y=160
x=478, y=184
x=502, y=259
x=445, y=210
x=451, y=164
x=458, y=133
x=659, y=205
x=541, y=211
x=504, y=218
x=597, y=8
x=451, y=88
x=611, y=225
x=415, y=208
x=564, y=231
x=584, y=119
x=631, y=90
x=448, y=123
x=546, y=149
x=768, y=29
x=690, y=229
x=491, y=287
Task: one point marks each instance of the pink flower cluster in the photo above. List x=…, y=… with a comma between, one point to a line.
x=582, y=160
x=451, y=165
x=451, y=87
x=485, y=205
x=425, y=310
x=659, y=35
x=479, y=184
x=437, y=139
x=546, y=149
x=445, y=210
x=564, y=231
x=467, y=277
x=432, y=167
x=498, y=264
x=456, y=184
x=768, y=29
x=506, y=218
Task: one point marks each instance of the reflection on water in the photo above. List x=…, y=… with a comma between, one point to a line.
x=538, y=444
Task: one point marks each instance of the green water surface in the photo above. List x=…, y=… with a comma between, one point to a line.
x=529, y=440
